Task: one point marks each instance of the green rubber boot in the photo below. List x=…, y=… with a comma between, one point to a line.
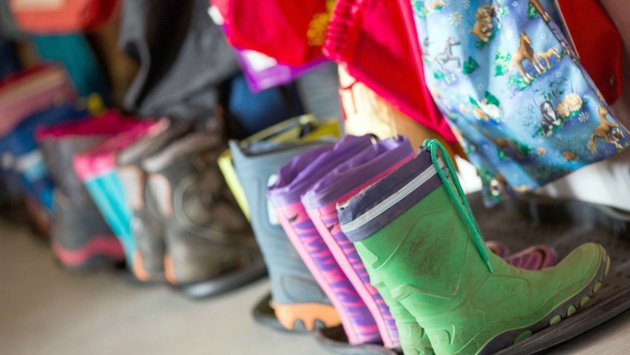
x=417, y=233
x=413, y=339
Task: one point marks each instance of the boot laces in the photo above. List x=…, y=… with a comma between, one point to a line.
x=461, y=203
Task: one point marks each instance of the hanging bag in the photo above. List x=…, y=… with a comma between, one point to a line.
x=512, y=87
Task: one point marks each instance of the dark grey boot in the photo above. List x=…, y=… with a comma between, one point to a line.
x=210, y=247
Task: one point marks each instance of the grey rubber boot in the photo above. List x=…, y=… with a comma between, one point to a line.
x=297, y=299
x=80, y=237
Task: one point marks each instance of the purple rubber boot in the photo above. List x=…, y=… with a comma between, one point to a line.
x=295, y=178
x=338, y=186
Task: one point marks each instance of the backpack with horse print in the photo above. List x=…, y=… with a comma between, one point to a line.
x=514, y=91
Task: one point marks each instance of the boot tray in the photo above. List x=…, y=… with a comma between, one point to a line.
x=564, y=225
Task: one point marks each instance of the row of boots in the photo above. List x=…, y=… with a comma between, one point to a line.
x=355, y=231
x=371, y=235
x=146, y=195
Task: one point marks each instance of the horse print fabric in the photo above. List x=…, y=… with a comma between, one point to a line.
x=514, y=92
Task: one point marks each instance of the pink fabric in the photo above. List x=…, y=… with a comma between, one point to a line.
x=102, y=158
x=53, y=17
x=111, y=122
x=290, y=31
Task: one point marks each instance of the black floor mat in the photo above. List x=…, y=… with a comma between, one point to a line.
x=565, y=226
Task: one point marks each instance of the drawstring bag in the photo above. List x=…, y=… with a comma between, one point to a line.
x=514, y=91
x=292, y=32
x=62, y=16
x=370, y=39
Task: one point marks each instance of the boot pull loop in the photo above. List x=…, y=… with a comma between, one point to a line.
x=462, y=203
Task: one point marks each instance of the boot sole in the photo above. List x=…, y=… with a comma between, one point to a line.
x=141, y=273
x=563, y=311
x=265, y=314
x=335, y=340
x=223, y=284
x=98, y=252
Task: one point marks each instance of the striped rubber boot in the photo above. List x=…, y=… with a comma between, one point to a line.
x=295, y=178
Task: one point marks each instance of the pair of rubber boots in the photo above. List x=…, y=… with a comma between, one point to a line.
x=187, y=228
x=448, y=293
x=305, y=196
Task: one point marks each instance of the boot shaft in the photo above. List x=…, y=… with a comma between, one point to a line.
x=60, y=143
x=189, y=188
x=295, y=178
x=256, y=169
x=346, y=180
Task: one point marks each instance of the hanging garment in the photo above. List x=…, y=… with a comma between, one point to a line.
x=79, y=59
x=182, y=56
x=606, y=182
x=358, y=30
x=260, y=70
x=263, y=72
x=62, y=16
x=514, y=91
x=291, y=32
x=318, y=91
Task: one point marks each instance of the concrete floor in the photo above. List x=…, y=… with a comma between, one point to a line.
x=44, y=310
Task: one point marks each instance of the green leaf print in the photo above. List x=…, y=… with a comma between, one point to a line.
x=481, y=44
x=531, y=11
x=470, y=66
x=492, y=100
x=501, y=154
x=519, y=82
x=420, y=9
x=473, y=102
x=524, y=149
x=502, y=62
x=439, y=75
